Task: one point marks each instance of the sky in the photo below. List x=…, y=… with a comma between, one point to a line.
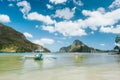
x=57, y=23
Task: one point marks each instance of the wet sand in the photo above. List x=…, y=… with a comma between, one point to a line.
x=106, y=72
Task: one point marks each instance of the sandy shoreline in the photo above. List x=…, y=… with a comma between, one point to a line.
x=106, y=72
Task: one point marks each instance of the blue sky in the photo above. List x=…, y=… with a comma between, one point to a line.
x=57, y=23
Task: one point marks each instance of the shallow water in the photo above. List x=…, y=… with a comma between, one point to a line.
x=68, y=66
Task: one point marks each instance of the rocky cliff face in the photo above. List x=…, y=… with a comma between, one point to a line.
x=76, y=46
x=14, y=41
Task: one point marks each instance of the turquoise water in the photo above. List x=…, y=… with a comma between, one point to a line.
x=67, y=66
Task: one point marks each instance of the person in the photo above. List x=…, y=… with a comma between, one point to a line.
x=39, y=57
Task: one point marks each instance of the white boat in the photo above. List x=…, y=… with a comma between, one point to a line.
x=39, y=50
x=29, y=56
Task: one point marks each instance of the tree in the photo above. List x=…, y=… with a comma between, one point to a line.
x=117, y=40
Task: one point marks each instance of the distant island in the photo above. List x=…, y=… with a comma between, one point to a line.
x=14, y=41
x=78, y=46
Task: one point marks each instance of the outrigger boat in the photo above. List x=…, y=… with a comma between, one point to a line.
x=39, y=56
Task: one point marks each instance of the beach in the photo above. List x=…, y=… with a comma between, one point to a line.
x=63, y=67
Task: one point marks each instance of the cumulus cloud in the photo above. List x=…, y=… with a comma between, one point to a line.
x=44, y=41
x=67, y=28
x=39, y=17
x=28, y=35
x=114, y=30
x=58, y=1
x=65, y=13
x=51, y=29
x=49, y=6
x=25, y=7
x=115, y=4
x=96, y=18
x=78, y=2
x=4, y=18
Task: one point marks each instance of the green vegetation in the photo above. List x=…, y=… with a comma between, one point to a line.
x=117, y=41
x=78, y=46
x=14, y=41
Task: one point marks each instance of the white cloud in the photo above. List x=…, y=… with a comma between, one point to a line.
x=114, y=30
x=4, y=18
x=102, y=44
x=58, y=1
x=101, y=10
x=78, y=2
x=44, y=41
x=10, y=5
x=49, y=6
x=39, y=17
x=28, y=35
x=65, y=13
x=25, y=7
x=115, y=4
x=96, y=19
x=67, y=28
x=51, y=29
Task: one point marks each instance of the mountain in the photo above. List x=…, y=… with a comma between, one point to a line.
x=77, y=46
x=14, y=41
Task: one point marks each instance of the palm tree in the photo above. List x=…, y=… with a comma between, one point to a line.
x=117, y=40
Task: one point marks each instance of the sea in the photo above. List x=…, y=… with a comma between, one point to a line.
x=60, y=66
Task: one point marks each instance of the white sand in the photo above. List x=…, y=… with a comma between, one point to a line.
x=104, y=72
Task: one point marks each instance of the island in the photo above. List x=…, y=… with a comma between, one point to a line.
x=14, y=41
x=78, y=46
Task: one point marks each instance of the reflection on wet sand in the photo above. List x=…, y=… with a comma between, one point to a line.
x=10, y=63
x=79, y=59
x=31, y=64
